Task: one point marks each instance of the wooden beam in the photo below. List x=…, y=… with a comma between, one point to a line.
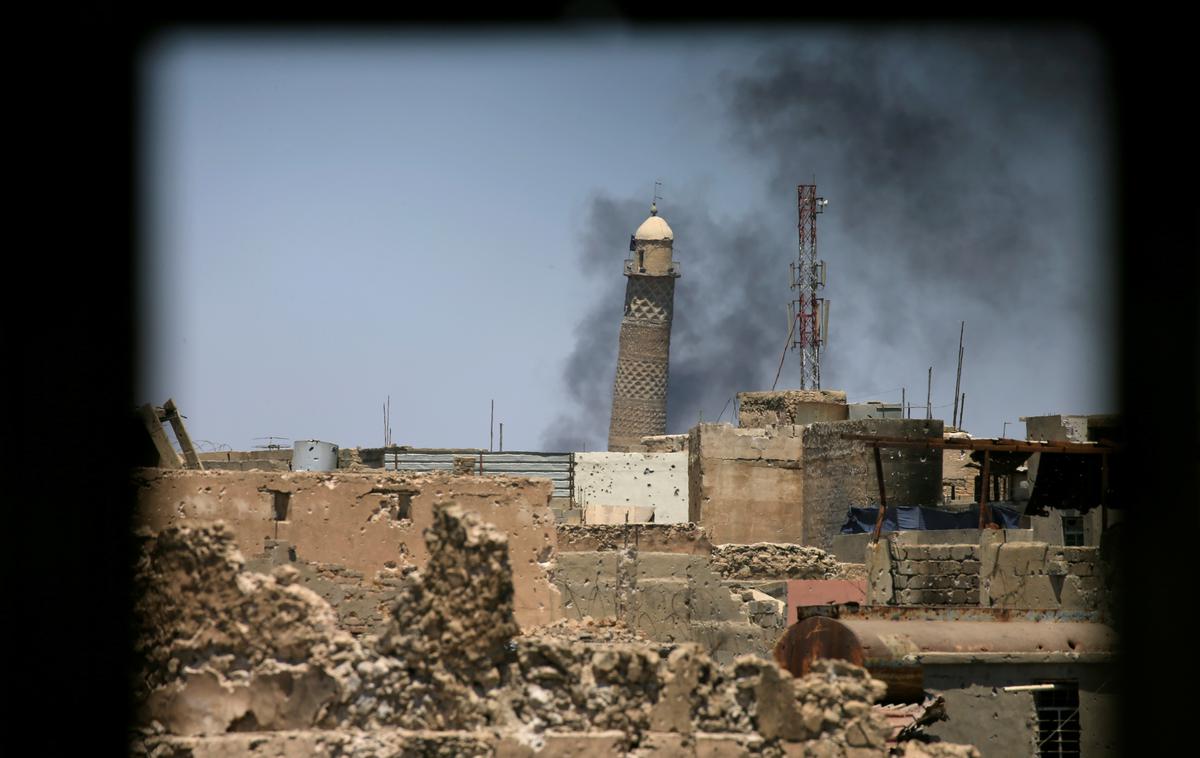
x=185, y=442
x=167, y=457
x=1012, y=446
x=882, y=497
x=983, y=489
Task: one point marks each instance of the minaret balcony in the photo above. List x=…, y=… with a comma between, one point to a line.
x=632, y=269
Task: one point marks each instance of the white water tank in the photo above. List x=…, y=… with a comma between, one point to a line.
x=314, y=455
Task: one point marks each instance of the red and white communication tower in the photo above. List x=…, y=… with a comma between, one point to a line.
x=809, y=312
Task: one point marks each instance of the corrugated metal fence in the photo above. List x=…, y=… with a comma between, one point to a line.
x=557, y=467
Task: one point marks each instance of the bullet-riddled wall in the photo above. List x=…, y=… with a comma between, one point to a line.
x=624, y=480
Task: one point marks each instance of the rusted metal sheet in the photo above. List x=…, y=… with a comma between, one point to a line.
x=815, y=638
x=821, y=637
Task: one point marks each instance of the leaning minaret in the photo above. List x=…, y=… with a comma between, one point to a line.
x=640, y=388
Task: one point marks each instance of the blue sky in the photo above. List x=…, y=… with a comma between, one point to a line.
x=330, y=220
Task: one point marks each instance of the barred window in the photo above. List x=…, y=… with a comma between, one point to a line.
x=1058, y=720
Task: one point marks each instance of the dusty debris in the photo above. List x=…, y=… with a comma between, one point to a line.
x=769, y=560
x=588, y=630
x=668, y=538
x=224, y=651
x=221, y=649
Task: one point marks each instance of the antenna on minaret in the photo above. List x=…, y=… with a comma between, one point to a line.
x=654, y=200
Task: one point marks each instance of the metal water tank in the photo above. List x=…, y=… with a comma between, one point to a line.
x=314, y=455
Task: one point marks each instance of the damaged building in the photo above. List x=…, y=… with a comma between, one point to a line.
x=820, y=578
x=713, y=593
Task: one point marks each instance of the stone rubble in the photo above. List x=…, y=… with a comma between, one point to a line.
x=768, y=560
x=222, y=651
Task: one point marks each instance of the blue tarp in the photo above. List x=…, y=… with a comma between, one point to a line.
x=919, y=517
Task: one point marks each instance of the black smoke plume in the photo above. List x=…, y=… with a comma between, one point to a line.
x=967, y=175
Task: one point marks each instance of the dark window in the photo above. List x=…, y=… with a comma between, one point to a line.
x=1058, y=720
x=281, y=501
x=1072, y=530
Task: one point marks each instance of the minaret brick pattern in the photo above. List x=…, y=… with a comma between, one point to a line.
x=640, y=387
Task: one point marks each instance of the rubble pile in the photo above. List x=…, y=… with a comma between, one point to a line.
x=768, y=560
x=588, y=630
x=645, y=537
x=220, y=649
x=223, y=651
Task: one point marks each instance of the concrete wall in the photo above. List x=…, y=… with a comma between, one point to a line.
x=1050, y=528
x=665, y=443
x=1030, y=574
x=655, y=480
x=1003, y=724
x=795, y=483
x=670, y=583
x=247, y=460
x=839, y=473
x=671, y=597
x=1003, y=570
x=1056, y=428
x=787, y=407
x=875, y=410
x=365, y=522
x=745, y=485
x=924, y=574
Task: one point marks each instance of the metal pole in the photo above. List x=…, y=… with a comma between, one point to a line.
x=502, y=436
x=961, y=406
x=929, y=395
x=983, y=489
x=903, y=404
x=491, y=425
x=958, y=377
x=882, y=497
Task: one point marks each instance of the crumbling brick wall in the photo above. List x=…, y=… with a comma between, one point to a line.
x=362, y=603
x=958, y=476
x=231, y=661
x=670, y=584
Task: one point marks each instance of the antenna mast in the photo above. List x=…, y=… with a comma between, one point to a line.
x=809, y=315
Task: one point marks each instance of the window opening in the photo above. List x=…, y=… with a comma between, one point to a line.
x=1072, y=530
x=1058, y=720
